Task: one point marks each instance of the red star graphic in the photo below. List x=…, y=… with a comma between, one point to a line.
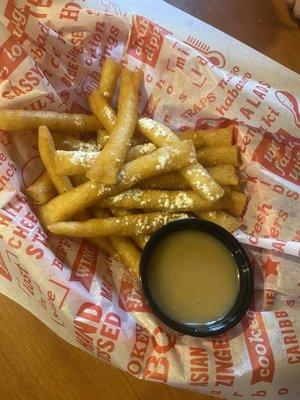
x=270, y=267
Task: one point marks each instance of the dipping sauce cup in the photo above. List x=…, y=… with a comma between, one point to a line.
x=196, y=277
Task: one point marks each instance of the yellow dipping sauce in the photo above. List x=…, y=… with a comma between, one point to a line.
x=193, y=277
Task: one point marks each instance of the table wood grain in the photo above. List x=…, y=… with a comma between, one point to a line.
x=35, y=364
x=265, y=25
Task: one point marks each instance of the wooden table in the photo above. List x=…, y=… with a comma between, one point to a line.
x=264, y=25
x=35, y=364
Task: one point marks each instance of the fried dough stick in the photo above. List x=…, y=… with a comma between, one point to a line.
x=164, y=159
x=20, y=120
x=110, y=160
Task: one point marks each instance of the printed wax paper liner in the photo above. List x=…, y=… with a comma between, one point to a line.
x=195, y=76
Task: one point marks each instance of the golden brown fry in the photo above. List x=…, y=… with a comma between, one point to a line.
x=193, y=136
x=139, y=240
x=109, y=162
x=107, y=115
x=171, y=181
x=65, y=141
x=47, y=153
x=172, y=200
x=74, y=162
x=78, y=179
x=102, y=136
x=63, y=183
x=137, y=224
x=108, y=79
x=42, y=190
x=209, y=138
x=157, y=132
x=140, y=150
x=218, y=137
x=222, y=174
x=223, y=203
x=83, y=215
x=129, y=254
x=202, y=183
x=164, y=159
x=107, y=85
x=197, y=177
x=102, y=110
x=138, y=77
x=210, y=156
x=72, y=202
x=104, y=244
x=20, y=120
x=78, y=162
x=227, y=221
x=127, y=251
x=238, y=203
